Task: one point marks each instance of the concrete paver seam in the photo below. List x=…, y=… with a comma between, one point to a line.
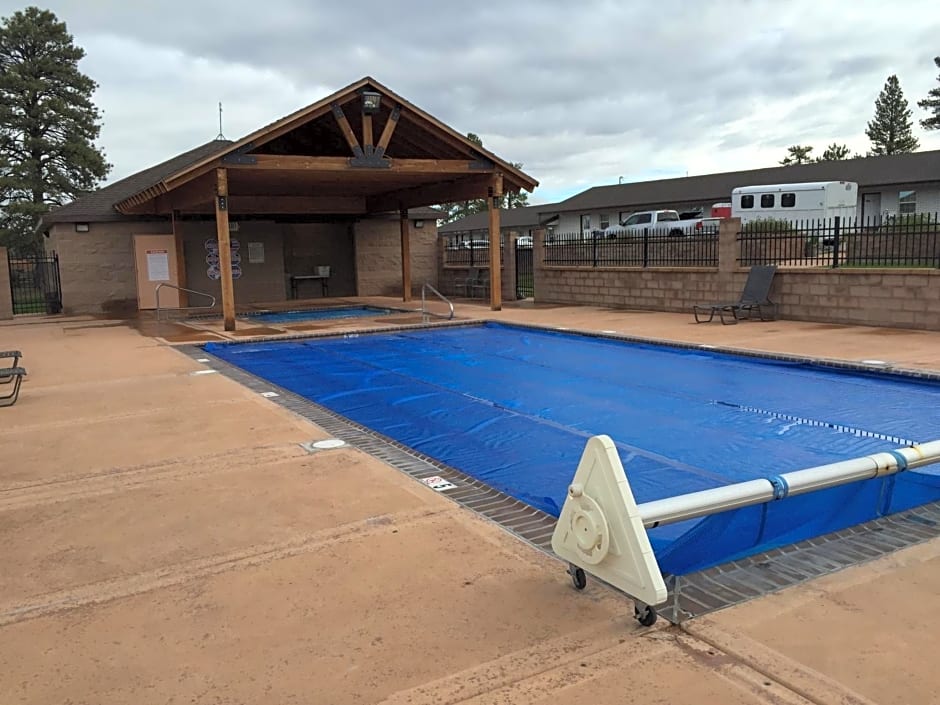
x=172, y=575
x=113, y=483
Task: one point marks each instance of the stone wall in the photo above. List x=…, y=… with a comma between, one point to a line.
x=97, y=268
x=378, y=256
x=6, y=298
x=905, y=298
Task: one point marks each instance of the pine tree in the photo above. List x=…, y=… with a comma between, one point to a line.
x=797, y=154
x=48, y=124
x=932, y=104
x=890, y=129
x=835, y=152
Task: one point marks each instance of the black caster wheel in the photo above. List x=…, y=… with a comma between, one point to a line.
x=645, y=615
x=578, y=578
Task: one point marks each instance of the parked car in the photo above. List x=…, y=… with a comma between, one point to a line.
x=661, y=222
x=470, y=245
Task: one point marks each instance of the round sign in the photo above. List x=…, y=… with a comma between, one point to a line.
x=236, y=257
x=212, y=245
x=236, y=271
x=214, y=273
x=212, y=259
x=234, y=244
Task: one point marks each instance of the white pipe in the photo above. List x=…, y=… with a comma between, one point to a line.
x=751, y=492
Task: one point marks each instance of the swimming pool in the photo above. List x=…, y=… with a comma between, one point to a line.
x=321, y=314
x=514, y=406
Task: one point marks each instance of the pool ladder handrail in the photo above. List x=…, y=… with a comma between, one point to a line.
x=188, y=291
x=425, y=313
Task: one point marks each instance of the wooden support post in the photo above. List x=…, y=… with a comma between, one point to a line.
x=367, y=133
x=180, y=259
x=496, y=271
x=225, y=248
x=405, y=254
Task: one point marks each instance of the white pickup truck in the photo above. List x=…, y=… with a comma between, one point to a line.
x=663, y=222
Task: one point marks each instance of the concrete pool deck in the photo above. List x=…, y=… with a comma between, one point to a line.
x=165, y=539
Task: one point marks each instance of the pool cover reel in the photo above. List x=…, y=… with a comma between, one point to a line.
x=602, y=530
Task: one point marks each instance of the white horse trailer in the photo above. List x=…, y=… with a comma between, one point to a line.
x=820, y=200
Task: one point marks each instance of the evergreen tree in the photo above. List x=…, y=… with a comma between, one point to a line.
x=932, y=104
x=835, y=152
x=890, y=129
x=48, y=124
x=797, y=154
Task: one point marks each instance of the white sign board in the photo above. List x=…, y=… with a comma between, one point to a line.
x=438, y=483
x=158, y=265
x=255, y=253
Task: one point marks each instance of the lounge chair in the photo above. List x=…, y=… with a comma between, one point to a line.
x=14, y=375
x=481, y=284
x=472, y=275
x=14, y=355
x=755, y=297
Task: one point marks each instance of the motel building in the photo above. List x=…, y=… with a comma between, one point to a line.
x=333, y=200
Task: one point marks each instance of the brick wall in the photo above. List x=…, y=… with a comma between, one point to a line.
x=97, y=267
x=378, y=256
x=891, y=297
x=660, y=289
x=6, y=298
x=877, y=297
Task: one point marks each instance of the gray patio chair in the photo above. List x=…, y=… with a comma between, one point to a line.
x=481, y=284
x=14, y=375
x=755, y=297
x=14, y=355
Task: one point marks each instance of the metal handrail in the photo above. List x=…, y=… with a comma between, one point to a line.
x=424, y=309
x=188, y=291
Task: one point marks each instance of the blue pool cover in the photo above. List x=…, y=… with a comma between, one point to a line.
x=514, y=407
x=321, y=314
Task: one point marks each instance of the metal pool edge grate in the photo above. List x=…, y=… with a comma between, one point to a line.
x=690, y=595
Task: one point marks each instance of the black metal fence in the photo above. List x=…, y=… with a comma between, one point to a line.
x=643, y=249
x=525, y=271
x=35, y=284
x=471, y=252
x=902, y=241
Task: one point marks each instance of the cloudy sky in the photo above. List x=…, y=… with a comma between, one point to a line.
x=581, y=92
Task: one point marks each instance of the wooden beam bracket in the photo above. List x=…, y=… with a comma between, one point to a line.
x=370, y=161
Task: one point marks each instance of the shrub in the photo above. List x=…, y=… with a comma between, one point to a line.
x=767, y=225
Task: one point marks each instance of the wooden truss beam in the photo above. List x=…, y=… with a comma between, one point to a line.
x=388, y=131
x=464, y=189
x=291, y=205
x=289, y=162
x=347, y=130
